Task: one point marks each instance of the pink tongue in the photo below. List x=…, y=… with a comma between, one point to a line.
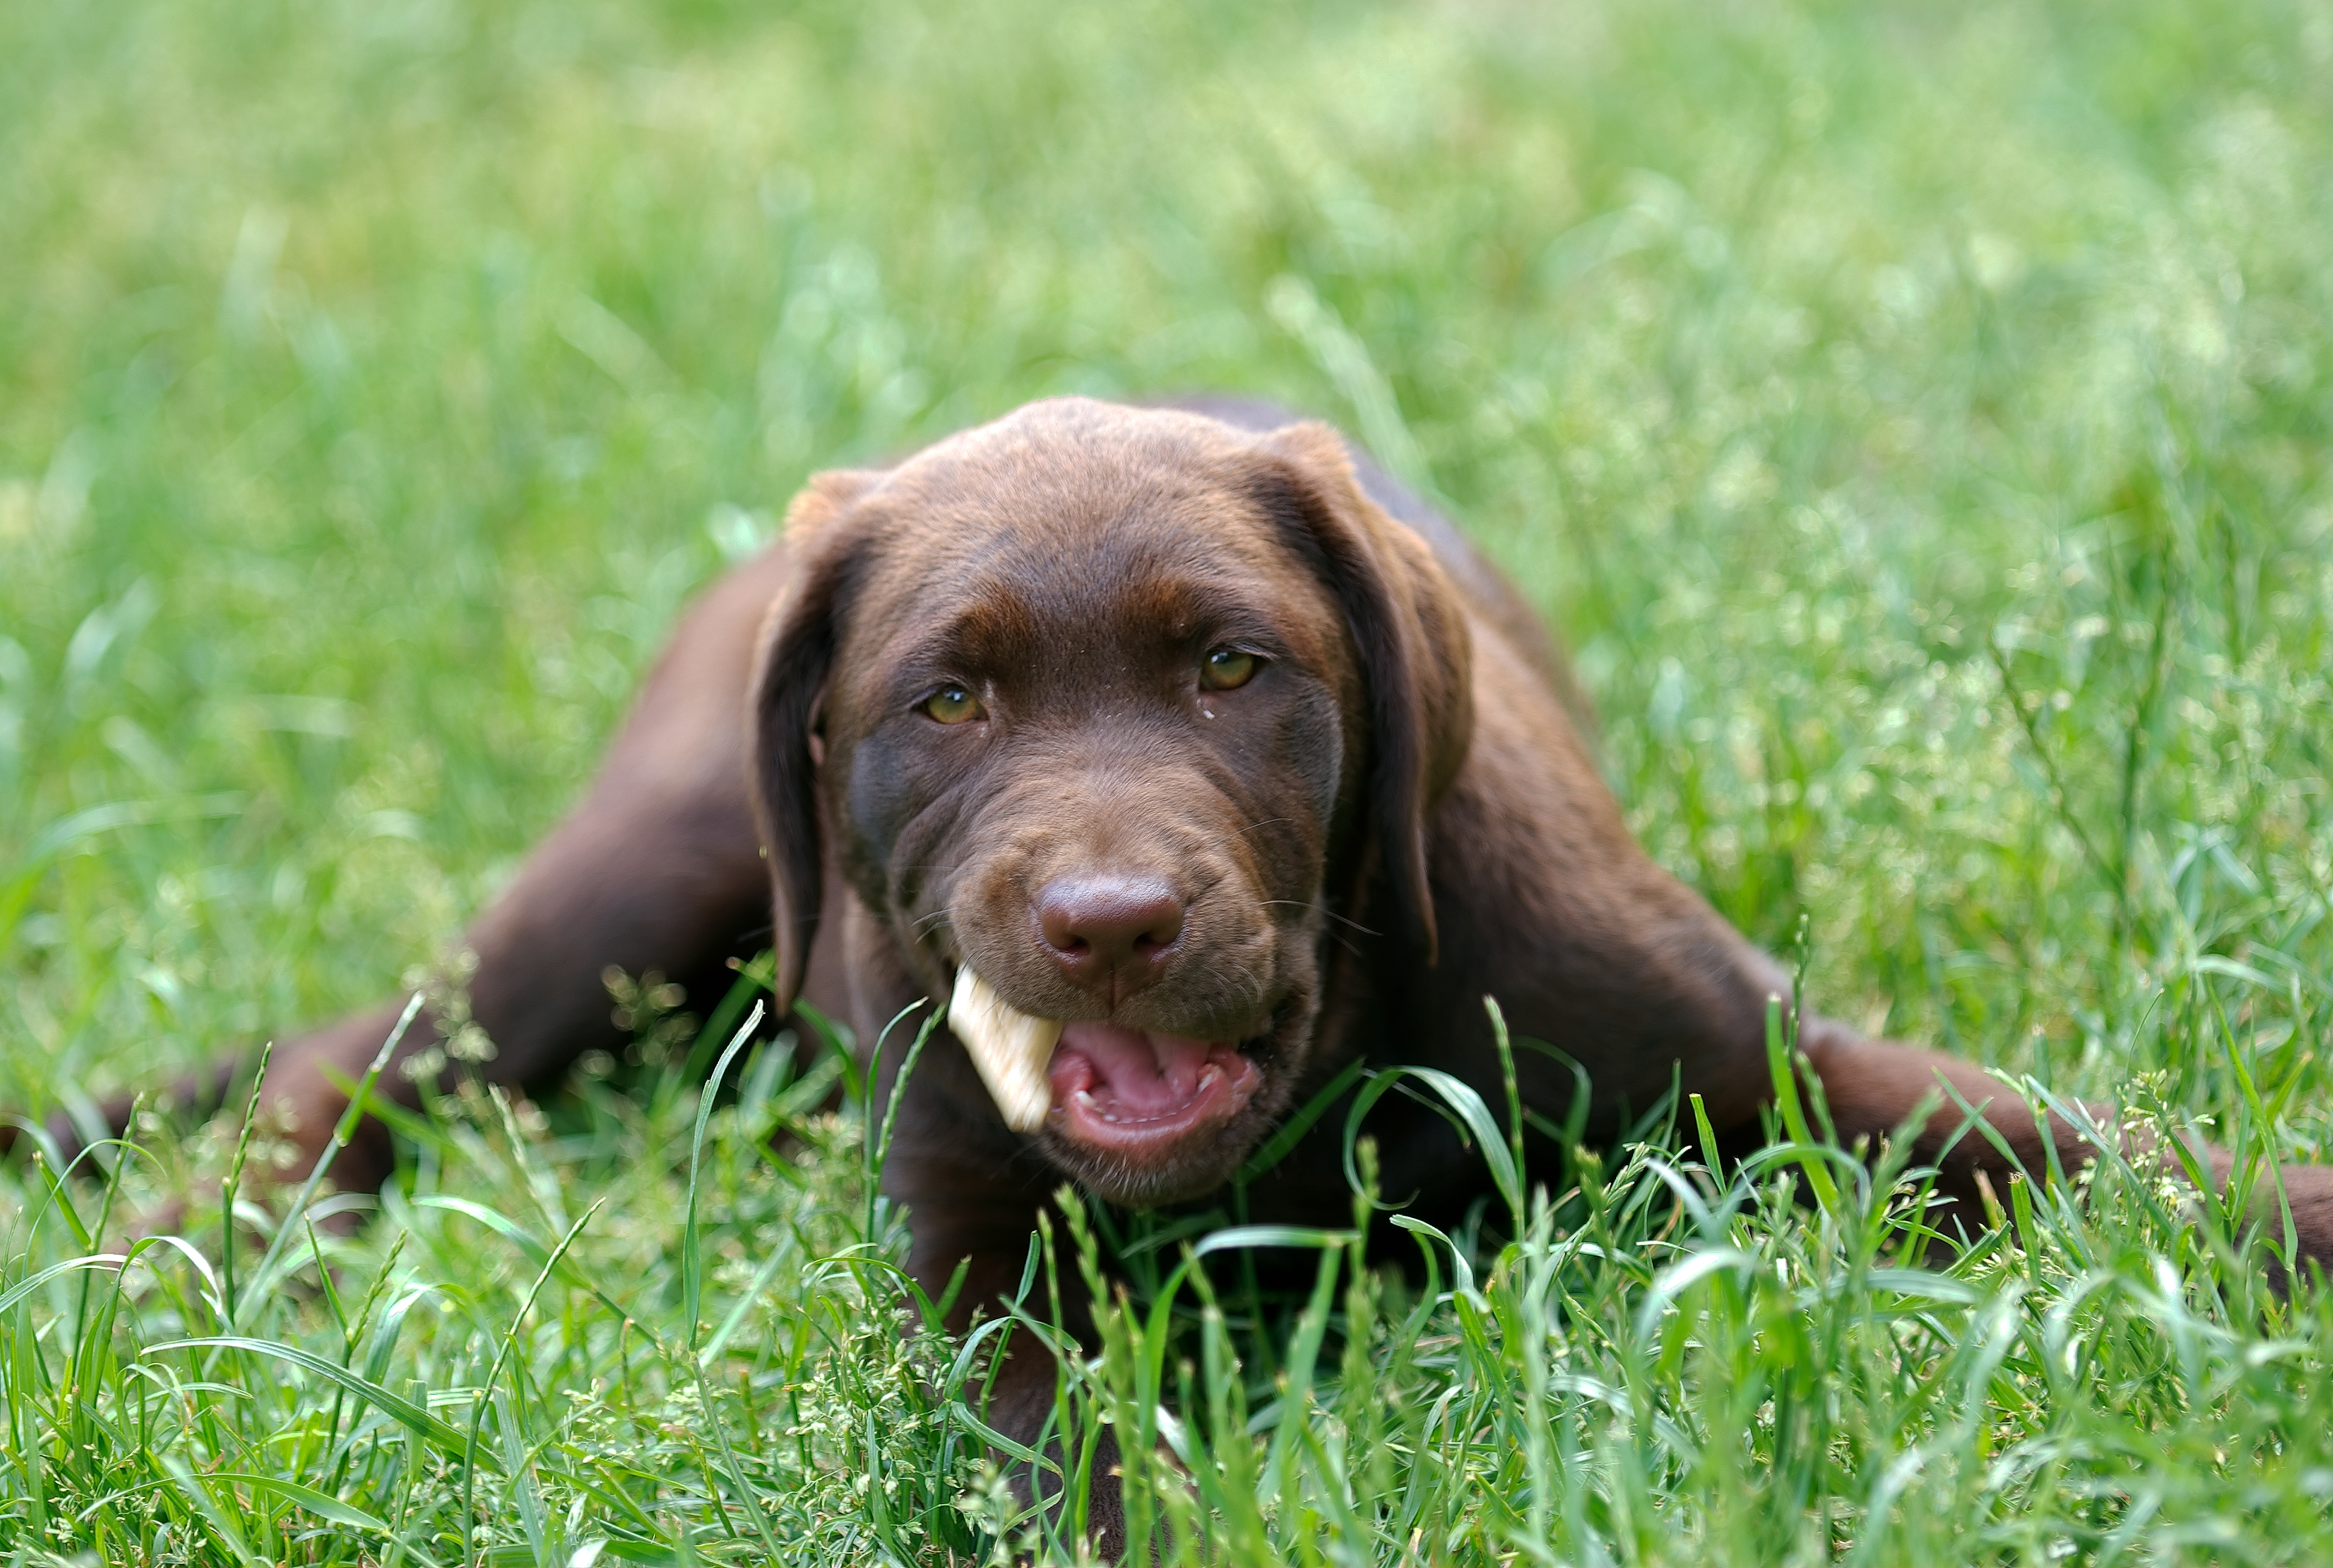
x=1148, y=1074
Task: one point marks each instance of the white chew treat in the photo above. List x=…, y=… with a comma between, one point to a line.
x=1010, y=1049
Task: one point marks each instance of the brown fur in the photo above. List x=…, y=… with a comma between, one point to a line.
x=1396, y=818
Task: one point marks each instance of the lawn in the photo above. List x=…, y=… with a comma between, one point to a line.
x=1917, y=418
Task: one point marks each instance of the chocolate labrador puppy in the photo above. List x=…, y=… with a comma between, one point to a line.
x=1195, y=759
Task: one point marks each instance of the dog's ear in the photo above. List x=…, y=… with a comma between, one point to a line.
x=792, y=664
x=1409, y=632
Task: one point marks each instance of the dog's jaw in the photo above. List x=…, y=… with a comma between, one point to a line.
x=1137, y=1116
x=1201, y=1143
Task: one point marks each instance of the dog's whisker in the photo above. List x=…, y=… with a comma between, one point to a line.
x=1319, y=907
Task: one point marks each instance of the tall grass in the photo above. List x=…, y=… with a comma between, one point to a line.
x=1667, y=1359
x=1916, y=419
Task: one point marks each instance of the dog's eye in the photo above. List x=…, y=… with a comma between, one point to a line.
x=1227, y=667
x=954, y=705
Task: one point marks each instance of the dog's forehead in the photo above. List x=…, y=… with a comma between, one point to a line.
x=1076, y=475
x=1079, y=518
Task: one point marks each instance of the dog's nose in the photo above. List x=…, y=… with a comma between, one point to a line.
x=1110, y=932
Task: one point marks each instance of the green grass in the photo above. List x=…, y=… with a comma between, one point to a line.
x=1916, y=418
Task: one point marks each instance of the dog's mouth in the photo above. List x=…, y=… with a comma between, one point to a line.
x=1117, y=1090
x=1129, y=1090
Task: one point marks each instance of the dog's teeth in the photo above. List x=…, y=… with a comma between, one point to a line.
x=1010, y=1049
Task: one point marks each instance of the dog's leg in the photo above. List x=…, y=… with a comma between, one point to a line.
x=1591, y=947
x=974, y=1197
x=657, y=868
x=988, y=1230
x=1873, y=1087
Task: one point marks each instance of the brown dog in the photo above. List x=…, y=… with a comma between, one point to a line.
x=1190, y=734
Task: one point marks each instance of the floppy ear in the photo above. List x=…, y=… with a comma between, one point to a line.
x=791, y=668
x=1410, y=634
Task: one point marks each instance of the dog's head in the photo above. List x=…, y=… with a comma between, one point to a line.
x=1104, y=705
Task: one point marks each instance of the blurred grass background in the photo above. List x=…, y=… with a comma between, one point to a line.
x=1915, y=418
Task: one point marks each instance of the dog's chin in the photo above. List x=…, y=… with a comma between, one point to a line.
x=1162, y=1174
